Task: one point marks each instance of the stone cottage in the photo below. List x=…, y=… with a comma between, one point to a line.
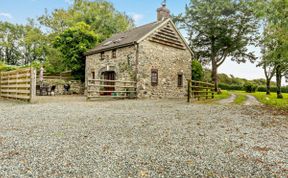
x=156, y=56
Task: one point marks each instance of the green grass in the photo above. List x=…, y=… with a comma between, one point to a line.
x=271, y=100
x=225, y=94
x=240, y=99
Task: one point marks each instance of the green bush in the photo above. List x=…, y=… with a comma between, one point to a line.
x=197, y=71
x=4, y=67
x=273, y=89
x=250, y=88
x=225, y=86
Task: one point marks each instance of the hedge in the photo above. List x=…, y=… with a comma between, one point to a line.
x=273, y=89
x=224, y=86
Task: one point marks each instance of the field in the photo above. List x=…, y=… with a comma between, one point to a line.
x=271, y=100
x=69, y=137
x=268, y=100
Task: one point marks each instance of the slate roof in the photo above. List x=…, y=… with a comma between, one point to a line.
x=123, y=39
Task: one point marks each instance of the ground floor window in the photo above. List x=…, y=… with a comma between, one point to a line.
x=180, y=80
x=154, y=77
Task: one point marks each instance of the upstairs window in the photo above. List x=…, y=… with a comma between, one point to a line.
x=180, y=80
x=114, y=53
x=154, y=77
x=102, y=55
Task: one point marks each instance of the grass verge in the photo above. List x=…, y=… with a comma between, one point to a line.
x=271, y=100
x=225, y=94
x=240, y=99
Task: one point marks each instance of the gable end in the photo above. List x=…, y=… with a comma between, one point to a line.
x=168, y=36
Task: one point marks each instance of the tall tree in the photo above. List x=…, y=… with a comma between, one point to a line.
x=274, y=13
x=73, y=43
x=220, y=30
x=103, y=18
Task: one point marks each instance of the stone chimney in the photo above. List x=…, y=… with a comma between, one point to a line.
x=163, y=13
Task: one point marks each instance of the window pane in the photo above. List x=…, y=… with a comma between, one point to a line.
x=154, y=77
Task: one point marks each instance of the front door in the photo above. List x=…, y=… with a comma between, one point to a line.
x=109, y=75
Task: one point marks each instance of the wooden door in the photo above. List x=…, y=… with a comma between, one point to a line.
x=109, y=75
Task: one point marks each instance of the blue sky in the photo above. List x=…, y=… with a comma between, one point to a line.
x=143, y=11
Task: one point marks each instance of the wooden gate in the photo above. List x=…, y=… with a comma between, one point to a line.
x=18, y=84
x=97, y=88
x=198, y=90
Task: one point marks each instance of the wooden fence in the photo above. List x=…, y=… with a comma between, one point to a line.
x=18, y=84
x=59, y=76
x=198, y=90
x=98, y=88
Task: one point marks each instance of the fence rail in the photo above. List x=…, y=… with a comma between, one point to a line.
x=59, y=76
x=99, y=88
x=18, y=84
x=199, y=89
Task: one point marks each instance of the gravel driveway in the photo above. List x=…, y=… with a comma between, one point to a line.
x=228, y=100
x=251, y=100
x=140, y=138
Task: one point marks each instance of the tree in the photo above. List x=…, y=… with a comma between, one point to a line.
x=274, y=13
x=100, y=15
x=10, y=36
x=73, y=43
x=197, y=71
x=220, y=29
x=34, y=43
x=21, y=44
x=269, y=69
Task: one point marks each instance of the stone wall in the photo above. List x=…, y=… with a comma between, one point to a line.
x=124, y=65
x=76, y=86
x=170, y=62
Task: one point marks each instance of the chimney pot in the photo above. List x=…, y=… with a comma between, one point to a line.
x=163, y=12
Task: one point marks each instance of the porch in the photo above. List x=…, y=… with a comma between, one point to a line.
x=101, y=88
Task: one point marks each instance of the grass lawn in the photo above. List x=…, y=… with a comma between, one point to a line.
x=272, y=100
x=225, y=94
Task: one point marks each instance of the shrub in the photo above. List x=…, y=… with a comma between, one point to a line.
x=225, y=86
x=4, y=67
x=197, y=71
x=250, y=88
x=273, y=89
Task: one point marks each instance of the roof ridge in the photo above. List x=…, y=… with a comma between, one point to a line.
x=135, y=28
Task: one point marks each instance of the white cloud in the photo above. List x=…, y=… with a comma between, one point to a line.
x=5, y=15
x=137, y=17
x=69, y=1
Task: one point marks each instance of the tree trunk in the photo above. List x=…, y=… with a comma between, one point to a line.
x=278, y=81
x=214, y=74
x=268, y=87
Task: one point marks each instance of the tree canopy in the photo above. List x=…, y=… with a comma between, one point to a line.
x=73, y=43
x=274, y=15
x=218, y=30
x=100, y=15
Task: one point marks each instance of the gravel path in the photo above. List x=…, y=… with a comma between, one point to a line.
x=251, y=100
x=228, y=100
x=140, y=138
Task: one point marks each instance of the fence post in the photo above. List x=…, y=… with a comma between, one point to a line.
x=189, y=91
x=32, y=84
